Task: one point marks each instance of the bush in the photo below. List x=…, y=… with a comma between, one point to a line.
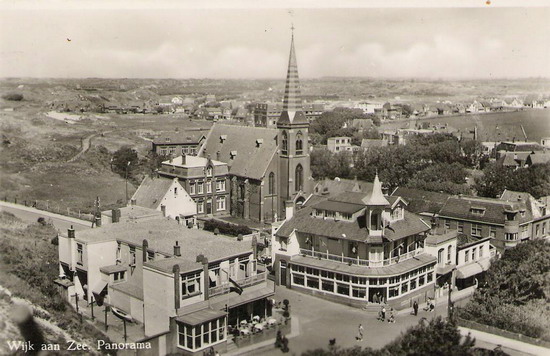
x=13, y=97
x=226, y=228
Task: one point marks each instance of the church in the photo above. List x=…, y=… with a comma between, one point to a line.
x=268, y=167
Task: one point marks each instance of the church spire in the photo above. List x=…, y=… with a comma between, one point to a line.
x=292, y=101
x=377, y=197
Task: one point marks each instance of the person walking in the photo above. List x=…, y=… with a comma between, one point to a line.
x=391, y=318
x=415, y=308
x=383, y=313
x=360, y=330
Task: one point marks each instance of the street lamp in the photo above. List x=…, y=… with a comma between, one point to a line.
x=126, y=180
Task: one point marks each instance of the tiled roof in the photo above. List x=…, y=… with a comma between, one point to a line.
x=392, y=270
x=440, y=238
x=494, y=209
x=333, y=187
x=351, y=230
x=466, y=240
x=183, y=137
x=151, y=191
x=192, y=161
x=339, y=206
x=539, y=158
x=422, y=201
x=161, y=235
x=252, y=159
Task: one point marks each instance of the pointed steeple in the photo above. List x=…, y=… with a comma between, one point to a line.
x=292, y=101
x=376, y=197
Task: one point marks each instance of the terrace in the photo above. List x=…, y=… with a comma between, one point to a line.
x=362, y=262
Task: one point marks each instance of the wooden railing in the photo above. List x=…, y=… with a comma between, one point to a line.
x=359, y=261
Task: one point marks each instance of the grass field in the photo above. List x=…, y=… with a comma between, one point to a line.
x=495, y=126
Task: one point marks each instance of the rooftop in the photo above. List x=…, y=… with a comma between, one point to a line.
x=182, y=137
x=192, y=162
x=161, y=235
x=422, y=201
x=441, y=238
x=134, y=212
x=151, y=191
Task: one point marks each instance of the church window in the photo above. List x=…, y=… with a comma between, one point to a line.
x=284, y=148
x=299, y=178
x=299, y=145
x=271, y=185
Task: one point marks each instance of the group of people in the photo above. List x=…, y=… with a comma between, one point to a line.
x=382, y=315
x=430, y=306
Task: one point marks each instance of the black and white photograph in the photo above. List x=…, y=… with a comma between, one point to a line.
x=259, y=178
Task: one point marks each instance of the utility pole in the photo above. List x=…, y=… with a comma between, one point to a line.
x=126, y=181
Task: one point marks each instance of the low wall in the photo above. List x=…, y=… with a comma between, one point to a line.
x=504, y=333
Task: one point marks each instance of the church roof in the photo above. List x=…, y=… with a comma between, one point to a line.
x=247, y=150
x=292, y=102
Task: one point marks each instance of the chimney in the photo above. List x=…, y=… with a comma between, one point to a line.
x=289, y=209
x=206, y=277
x=163, y=209
x=144, y=248
x=70, y=232
x=218, y=154
x=177, y=249
x=98, y=221
x=176, y=270
x=183, y=159
x=255, y=247
x=115, y=215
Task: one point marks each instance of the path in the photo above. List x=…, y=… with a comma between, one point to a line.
x=86, y=143
x=507, y=344
x=28, y=214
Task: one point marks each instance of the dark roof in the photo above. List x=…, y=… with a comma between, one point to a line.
x=466, y=240
x=201, y=316
x=339, y=185
x=538, y=158
x=351, y=230
x=339, y=206
x=183, y=137
x=151, y=191
x=422, y=201
x=392, y=270
x=494, y=209
x=252, y=159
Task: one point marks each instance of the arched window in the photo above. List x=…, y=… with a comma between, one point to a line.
x=271, y=185
x=374, y=220
x=299, y=144
x=440, y=256
x=449, y=255
x=284, y=144
x=299, y=178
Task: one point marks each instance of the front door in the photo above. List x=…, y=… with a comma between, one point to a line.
x=209, y=206
x=282, y=273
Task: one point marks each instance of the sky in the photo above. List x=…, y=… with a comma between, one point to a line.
x=433, y=43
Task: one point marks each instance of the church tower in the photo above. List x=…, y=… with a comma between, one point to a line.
x=294, y=167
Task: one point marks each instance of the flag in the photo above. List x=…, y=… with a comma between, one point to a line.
x=236, y=287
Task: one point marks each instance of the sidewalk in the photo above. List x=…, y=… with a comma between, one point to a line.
x=505, y=342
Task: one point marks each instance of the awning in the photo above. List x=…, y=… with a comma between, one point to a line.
x=98, y=290
x=200, y=317
x=234, y=300
x=473, y=268
x=445, y=269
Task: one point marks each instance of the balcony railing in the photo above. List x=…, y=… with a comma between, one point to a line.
x=359, y=261
x=244, y=282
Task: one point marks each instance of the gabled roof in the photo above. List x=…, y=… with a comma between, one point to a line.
x=422, y=201
x=493, y=209
x=151, y=191
x=251, y=159
x=538, y=158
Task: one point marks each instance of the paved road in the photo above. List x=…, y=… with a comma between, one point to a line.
x=30, y=215
x=321, y=320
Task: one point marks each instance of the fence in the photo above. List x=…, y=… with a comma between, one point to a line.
x=50, y=206
x=504, y=333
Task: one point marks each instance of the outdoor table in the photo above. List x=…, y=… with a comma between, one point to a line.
x=259, y=327
x=245, y=331
x=272, y=321
x=244, y=322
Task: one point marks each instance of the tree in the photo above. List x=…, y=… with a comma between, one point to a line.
x=473, y=151
x=495, y=179
x=125, y=158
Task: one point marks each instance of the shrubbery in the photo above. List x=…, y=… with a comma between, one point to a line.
x=226, y=228
x=515, y=293
x=13, y=97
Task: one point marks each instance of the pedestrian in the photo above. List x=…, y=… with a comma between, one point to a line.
x=415, y=308
x=379, y=297
x=391, y=319
x=383, y=314
x=359, y=336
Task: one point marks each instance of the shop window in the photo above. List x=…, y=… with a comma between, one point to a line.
x=404, y=288
x=327, y=286
x=297, y=279
x=413, y=284
x=342, y=289
x=393, y=292
x=313, y=282
x=359, y=292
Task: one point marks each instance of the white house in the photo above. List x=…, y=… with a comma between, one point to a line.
x=167, y=196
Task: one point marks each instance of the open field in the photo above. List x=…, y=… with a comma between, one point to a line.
x=494, y=126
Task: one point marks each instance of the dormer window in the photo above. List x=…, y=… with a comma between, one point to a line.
x=397, y=213
x=330, y=214
x=477, y=211
x=209, y=171
x=522, y=213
